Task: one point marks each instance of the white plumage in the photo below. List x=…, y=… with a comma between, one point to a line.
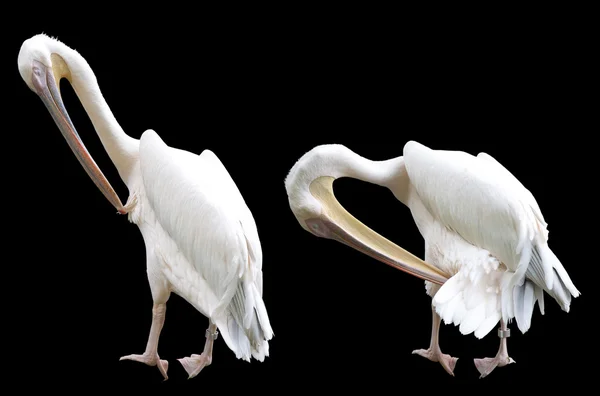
x=482, y=228
x=487, y=229
x=201, y=239
x=216, y=263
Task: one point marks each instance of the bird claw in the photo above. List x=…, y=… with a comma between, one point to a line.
x=448, y=362
x=486, y=365
x=150, y=360
x=195, y=363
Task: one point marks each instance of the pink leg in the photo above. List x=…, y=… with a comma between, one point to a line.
x=487, y=365
x=195, y=363
x=150, y=356
x=434, y=352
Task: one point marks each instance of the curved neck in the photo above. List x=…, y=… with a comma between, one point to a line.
x=338, y=161
x=121, y=148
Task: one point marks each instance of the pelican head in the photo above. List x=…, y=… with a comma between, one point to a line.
x=43, y=61
x=305, y=206
x=309, y=186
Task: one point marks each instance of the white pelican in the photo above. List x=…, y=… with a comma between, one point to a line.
x=486, y=253
x=200, y=237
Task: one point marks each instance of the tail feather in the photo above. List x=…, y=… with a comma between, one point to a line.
x=261, y=313
x=239, y=338
x=544, y=273
x=258, y=342
x=524, y=299
x=247, y=324
x=539, y=296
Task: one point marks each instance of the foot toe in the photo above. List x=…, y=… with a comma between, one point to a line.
x=188, y=364
x=485, y=366
x=150, y=360
x=422, y=352
x=135, y=358
x=448, y=363
x=163, y=367
x=194, y=364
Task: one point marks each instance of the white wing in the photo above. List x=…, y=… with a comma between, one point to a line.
x=235, y=202
x=199, y=206
x=526, y=196
x=488, y=207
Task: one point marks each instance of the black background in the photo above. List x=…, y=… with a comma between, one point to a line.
x=260, y=92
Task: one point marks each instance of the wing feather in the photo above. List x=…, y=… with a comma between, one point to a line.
x=198, y=205
x=482, y=202
x=194, y=209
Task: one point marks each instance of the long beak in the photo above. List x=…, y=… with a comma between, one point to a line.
x=47, y=88
x=345, y=228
